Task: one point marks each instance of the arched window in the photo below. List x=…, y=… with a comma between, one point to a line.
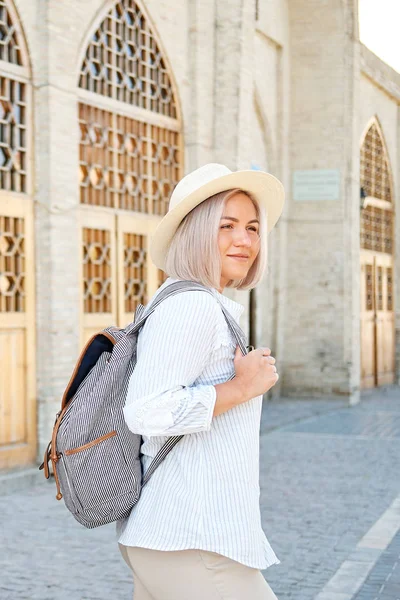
x=130, y=159
x=17, y=319
x=14, y=94
x=376, y=189
x=377, y=339
x=375, y=174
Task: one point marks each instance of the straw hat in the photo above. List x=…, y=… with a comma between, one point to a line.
x=204, y=182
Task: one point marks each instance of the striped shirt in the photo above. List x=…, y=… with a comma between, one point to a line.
x=205, y=495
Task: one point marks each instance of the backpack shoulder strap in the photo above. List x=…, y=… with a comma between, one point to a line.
x=143, y=312
x=178, y=287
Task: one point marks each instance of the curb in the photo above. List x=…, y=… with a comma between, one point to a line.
x=353, y=572
x=15, y=481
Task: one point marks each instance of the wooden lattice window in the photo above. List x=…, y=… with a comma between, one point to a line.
x=375, y=174
x=97, y=270
x=130, y=144
x=125, y=163
x=95, y=170
x=389, y=275
x=13, y=138
x=369, y=288
x=130, y=154
x=12, y=264
x=10, y=50
x=14, y=88
x=379, y=286
x=377, y=229
x=123, y=61
x=14, y=143
x=135, y=272
x=165, y=166
x=377, y=217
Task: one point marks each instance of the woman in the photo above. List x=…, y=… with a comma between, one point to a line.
x=196, y=531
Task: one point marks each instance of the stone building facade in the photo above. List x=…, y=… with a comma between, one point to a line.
x=105, y=104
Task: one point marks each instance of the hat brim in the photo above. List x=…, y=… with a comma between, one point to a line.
x=264, y=187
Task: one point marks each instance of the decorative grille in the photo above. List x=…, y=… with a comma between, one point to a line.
x=135, y=271
x=96, y=150
x=132, y=164
x=369, y=288
x=97, y=271
x=377, y=229
x=130, y=149
x=375, y=174
x=165, y=162
x=125, y=163
x=379, y=288
x=12, y=264
x=376, y=222
x=13, y=138
x=389, y=274
x=123, y=61
x=10, y=50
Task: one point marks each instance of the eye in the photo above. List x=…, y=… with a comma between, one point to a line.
x=226, y=226
x=254, y=229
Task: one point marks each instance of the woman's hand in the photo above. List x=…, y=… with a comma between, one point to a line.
x=255, y=375
x=255, y=372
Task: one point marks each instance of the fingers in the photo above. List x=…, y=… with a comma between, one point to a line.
x=265, y=351
x=238, y=353
x=269, y=359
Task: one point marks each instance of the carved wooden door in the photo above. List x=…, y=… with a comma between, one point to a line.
x=377, y=320
x=17, y=333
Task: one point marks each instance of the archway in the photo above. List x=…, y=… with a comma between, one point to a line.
x=377, y=248
x=17, y=310
x=131, y=158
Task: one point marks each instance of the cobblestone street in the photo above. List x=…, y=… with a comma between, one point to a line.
x=328, y=474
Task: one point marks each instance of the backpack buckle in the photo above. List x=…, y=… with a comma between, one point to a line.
x=45, y=464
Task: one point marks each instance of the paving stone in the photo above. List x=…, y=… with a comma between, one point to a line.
x=320, y=494
x=383, y=582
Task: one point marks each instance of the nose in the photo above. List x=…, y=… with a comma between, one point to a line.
x=242, y=238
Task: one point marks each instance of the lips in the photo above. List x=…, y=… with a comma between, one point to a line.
x=239, y=258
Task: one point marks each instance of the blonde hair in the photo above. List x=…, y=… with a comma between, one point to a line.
x=194, y=254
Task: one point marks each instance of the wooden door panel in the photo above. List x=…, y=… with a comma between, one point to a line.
x=384, y=322
x=17, y=333
x=99, y=276
x=385, y=344
x=367, y=326
x=367, y=354
x=138, y=277
x=13, y=426
x=377, y=320
x=117, y=272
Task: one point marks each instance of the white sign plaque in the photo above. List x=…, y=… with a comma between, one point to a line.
x=316, y=184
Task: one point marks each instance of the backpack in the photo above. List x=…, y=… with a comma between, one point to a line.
x=95, y=457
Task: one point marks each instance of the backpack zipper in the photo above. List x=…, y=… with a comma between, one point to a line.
x=72, y=492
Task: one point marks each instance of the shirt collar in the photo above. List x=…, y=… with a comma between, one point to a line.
x=235, y=308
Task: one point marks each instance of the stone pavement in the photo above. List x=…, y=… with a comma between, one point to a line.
x=383, y=582
x=328, y=474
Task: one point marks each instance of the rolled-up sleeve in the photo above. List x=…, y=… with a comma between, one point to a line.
x=174, y=348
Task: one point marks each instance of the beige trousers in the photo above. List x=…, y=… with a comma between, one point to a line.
x=192, y=575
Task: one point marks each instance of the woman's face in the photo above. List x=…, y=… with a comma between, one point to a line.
x=238, y=238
